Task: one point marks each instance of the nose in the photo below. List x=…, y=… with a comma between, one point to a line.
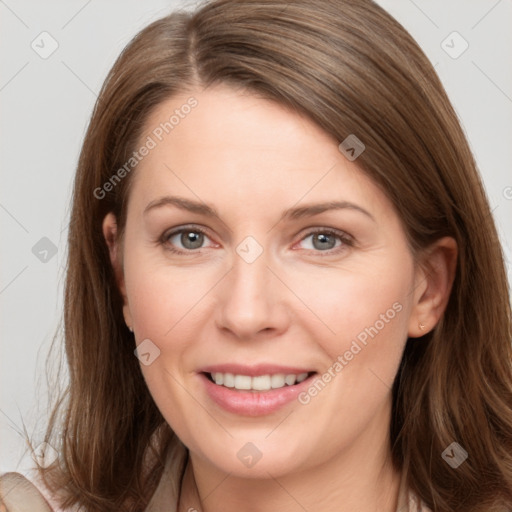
x=252, y=300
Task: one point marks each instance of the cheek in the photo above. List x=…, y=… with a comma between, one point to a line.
x=369, y=319
x=361, y=305
x=363, y=332
x=164, y=298
x=166, y=304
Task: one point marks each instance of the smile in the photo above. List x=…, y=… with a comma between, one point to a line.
x=254, y=390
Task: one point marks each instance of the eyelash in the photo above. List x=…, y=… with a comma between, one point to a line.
x=345, y=239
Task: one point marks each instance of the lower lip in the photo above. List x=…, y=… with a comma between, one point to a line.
x=253, y=403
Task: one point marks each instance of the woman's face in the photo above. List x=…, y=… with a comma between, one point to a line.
x=257, y=255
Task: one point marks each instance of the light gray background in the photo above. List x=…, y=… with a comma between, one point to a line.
x=46, y=104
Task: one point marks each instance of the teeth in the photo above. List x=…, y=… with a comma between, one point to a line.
x=229, y=380
x=259, y=383
x=277, y=381
x=290, y=380
x=243, y=382
x=301, y=377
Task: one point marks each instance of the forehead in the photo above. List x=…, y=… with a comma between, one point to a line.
x=233, y=144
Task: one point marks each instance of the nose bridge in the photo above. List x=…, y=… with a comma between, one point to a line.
x=250, y=283
x=250, y=299
x=250, y=274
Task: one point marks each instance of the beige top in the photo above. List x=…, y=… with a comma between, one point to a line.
x=21, y=494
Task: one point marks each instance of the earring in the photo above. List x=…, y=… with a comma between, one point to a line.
x=421, y=326
x=131, y=328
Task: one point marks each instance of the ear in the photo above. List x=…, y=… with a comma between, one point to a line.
x=433, y=285
x=111, y=236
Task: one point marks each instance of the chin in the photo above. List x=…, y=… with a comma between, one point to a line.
x=258, y=459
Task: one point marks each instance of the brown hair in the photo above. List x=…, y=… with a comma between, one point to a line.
x=352, y=69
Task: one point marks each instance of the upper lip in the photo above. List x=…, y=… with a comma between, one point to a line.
x=254, y=370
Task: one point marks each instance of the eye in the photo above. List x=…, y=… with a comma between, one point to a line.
x=183, y=240
x=191, y=239
x=323, y=240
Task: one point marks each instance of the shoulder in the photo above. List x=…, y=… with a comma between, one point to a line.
x=28, y=493
x=18, y=494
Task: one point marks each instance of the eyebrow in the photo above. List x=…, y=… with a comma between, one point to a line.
x=289, y=214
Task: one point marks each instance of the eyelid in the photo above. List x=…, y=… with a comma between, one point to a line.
x=325, y=229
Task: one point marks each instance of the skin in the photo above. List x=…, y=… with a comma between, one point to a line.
x=251, y=159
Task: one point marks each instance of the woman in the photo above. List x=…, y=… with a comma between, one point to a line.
x=285, y=290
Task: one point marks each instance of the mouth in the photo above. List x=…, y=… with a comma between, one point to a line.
x=254, y=391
